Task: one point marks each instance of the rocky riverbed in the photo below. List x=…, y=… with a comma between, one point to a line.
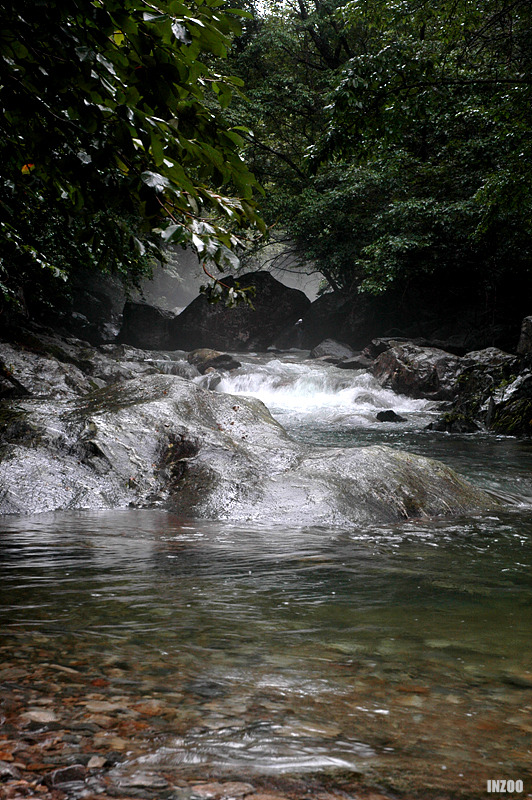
x=76, y=726
x=147, y=438
x=147, y=657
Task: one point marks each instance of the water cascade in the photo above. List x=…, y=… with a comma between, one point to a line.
x=320, y=402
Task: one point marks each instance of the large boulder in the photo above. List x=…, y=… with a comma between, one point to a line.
x=418, y=371
x=40, y=374
x=206, y=359
x=524, y=346
x=275, y=307
x=90, y=309
x=331, y=350
x=494, y=392
x=146, y=326
x=323, y=319
x=433, y=374
x=37, y=362
x=452, y=319
x=163, y=441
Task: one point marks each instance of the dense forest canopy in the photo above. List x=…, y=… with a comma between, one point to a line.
x=392, y=138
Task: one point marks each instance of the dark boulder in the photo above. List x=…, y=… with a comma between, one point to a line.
x=390, y=416
x=442, y=316
x=323, y=319
x=146, y=326
x=418, y=371
x=90, y=308
x=381, y=344
x=206, y=359
x=494, y=392
x=524, y=346
x=275, y=307
x=332, y=351
x=357, y=361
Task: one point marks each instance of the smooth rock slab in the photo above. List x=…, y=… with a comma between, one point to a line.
x=164, y=441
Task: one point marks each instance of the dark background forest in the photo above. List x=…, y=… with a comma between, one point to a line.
x=386, y=145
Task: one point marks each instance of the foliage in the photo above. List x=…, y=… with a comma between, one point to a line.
x=442, y=90
x=407, y=156
x=111, y=136
x=288, y=58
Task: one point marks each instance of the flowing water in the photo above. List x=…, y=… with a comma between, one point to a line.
x=397, y=656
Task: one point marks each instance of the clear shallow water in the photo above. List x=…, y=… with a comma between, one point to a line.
x=403, y=653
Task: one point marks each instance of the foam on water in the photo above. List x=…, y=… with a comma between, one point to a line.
x=291, y=389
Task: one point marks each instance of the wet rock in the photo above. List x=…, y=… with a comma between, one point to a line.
x=43, y=717
x=493, y=392
x=8, y=772
x=524, y=346
x=523, y=680
x=71, y=774
x=37, y=374
x=418, y=371
x=390, y=416
x=275, y=307
x=205, y=358
x=162, y=440
x=96, y=762
x=143, y=780
x=381, y=344
x=211, y=380
x=181, y=368
x=358, y=361
x=333, y=351
x=220, y=791
x=146, y=326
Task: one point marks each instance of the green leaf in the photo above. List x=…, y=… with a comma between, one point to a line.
x=155, y=180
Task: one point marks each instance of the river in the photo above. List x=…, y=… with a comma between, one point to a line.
x=184, y=651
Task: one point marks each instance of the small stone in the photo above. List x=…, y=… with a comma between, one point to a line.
x=237, y=789
x=102, y=720
x=12, y=674
x=8, y=772
x=76, y=772
x=144, y=780
x=149, y=708
x=97, y=706
x=39, y=716
x=521, y=679
x=96, y=762
x=117, y=743
x=263, y=796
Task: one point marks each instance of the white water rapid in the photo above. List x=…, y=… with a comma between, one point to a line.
x=299, y=391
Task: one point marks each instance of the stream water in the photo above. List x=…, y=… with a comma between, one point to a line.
x=397, y=656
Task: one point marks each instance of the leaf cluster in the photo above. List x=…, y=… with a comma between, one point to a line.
x=111, y=121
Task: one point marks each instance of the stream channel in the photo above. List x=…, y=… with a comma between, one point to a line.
x=180, y=652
